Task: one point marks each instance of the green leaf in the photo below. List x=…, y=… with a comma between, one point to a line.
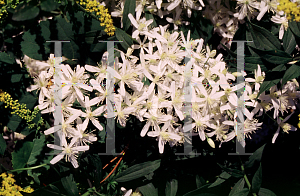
x=126, y=39
x=274, y=56
x=289, y=41
x=68, y=182
x=138, y=171
x=262, y=38
x=171, y=188
x=255, y=157
x=149, y=16
x=146, y=81
x=49, y=5
x=28, y=154
x=20, y=157
x=148, y=190
x=129, y=7
x=37, y=48
x=257, y=180
x=295, y=27
x=16, y=78
x=265, y=192
x=199, y=181
x=14, y=122
x=200, y=191
x=291, y=73
x=223, y=176
x=2, y=145
x=38, y=145
x=7, y=58
x=251, y=64
x=25, y=12
x=243, y=192
x=35, y=175
x=233, y=172
x=200, y=27
x=29, y=100
x=237, y=187
x=65, y=32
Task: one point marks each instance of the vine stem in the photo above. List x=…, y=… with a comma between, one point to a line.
x=245, y=177
x=28, y=168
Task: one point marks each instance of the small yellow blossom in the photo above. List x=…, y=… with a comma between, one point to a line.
x=9, y=187
x=291, y=9
x=19, y=109
x=101, y=13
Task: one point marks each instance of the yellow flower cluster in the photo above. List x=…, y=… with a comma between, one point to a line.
x=19, y=109
x=4, y=7
x=9, y=188
x=290, y=9
x=101, y=13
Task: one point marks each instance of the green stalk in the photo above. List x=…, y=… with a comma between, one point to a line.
x=28, y=168
x=245, y=176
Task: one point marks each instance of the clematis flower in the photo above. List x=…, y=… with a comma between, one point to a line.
x=90, y=115
x=286, y=127
x=68, y=150
x=163, y=137
x=141, y=26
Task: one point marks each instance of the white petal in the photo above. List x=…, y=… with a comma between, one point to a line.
x=145, y=129
x=55, y=147
x=57, y=158
x=97, y=124
x=275, y=135
x=153, y=133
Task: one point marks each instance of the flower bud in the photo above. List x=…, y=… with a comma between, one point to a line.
x=211, y=142
x=213, y=53
x=236, y=74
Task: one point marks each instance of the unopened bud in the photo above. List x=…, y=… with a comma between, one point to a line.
x=5, y=129
x=213, y=53
x=211, y=142
x=19, y=136
x=296, y=82
x=236, y=74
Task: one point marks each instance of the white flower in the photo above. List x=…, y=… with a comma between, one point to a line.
x=283, y=21
x=83, y=137
x=69, y=151
x=141, y=26
x=41, y=83
x=65, y=127
x=118, y=12
x=154, y=119
x=285, y=126
x=259, y=78
x=246, y=8
x=163, y=137
x=266, y=6
x=74, y=82
x=90, y=115
x=209, y=100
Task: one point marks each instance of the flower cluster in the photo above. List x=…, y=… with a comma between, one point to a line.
x=173, y=78
x=9, y=188
x=20, y=109
x=290, y=9
x=4, y=6
x=101, y=12
x=163, y=103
